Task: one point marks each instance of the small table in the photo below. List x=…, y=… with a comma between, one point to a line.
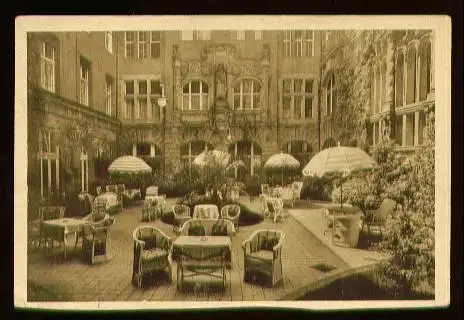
x=58, y=229
x=350, y=230
x=204, y=243
x=159, y=199
x=206, y=211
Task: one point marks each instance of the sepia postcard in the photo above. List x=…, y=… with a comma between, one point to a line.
x=232, y=161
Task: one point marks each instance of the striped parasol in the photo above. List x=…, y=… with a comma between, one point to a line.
x=204, y=158
x=344, y=160
x=282, y=160
x=129, y=164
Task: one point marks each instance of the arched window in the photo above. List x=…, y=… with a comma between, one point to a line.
x=399, y=79
x=425, y=54
x=195, y=95
x=247, y=151
x=190, y=150
x=411, y=75
x=247, y=95
x=299, y=149
x=377, y=88
x=330, y=95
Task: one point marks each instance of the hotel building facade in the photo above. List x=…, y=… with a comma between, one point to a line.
x=251, y=93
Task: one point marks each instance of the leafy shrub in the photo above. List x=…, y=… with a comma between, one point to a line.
x=317, y=188
x=357, y=191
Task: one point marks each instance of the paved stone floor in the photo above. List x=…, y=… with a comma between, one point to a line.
x=75, y=280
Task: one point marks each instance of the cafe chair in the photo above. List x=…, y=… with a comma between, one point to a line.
x=377, y=218
x=95, y=246
x=150, y=209
x=274, y=208
x=181, y=214
x=152, y=253
x=49, y=213
x=231, y=212
x=263, y=255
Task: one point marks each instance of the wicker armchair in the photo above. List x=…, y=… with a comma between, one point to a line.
x=49, y=213
x=378, y=218
x=231, y=212
x=263, y=254
x=274, y=208
x=150, y=209
x=152, y=253
x=112, y=188
x=95, y=245
x=99, y=206
x=181, y=214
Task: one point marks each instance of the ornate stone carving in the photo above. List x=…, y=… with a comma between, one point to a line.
x=194, y=67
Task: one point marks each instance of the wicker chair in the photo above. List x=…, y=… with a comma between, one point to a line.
x=99, y=206
x=150, y=209
x=95, y=246
x=297, y=186
x=49, y=213
x=263, y=254
x=181, y=214
x=152, y=253
x=274, y=208
x=265, y=189
x=377, y=218
x=231, y=212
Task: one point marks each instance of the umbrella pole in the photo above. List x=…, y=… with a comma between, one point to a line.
x=282, y=177
x=341, y=195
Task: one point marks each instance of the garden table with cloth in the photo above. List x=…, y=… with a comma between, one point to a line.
x=200, y=254
x=161, y=200
x=112, y=199
x=349, y=224
x=59, y=229
x=132, y=193
x=206, y=211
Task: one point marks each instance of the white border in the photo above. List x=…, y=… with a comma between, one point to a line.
x=440, y=24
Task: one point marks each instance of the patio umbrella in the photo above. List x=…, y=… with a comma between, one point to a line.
x=203, y=159
x=129, y=164
x=282, y=160
x=344, y=160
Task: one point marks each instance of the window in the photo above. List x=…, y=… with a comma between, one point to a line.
x=141, y=99
x=47, y=67
x=129, y=44
x=247, y=151
x=195, y=35
x=247, y=35
x=142, y=44
x=297, y=98
x=195, y=95
x=143, y=149
x=109, y=41
x=109, y=95
x=298, y=43
x=411, y=75
x=84, y=82
x=300, y=150
x=330, y=95
x=247, y=95
x=129, y=107
x=425, y=54
x=399, y=80
x=190, y=150
x=49, y=163
x=155, y=44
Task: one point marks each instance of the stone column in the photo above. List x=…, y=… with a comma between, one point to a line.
x=389, y=98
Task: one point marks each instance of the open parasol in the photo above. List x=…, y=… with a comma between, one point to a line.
x=282, y=160
x=129, y=164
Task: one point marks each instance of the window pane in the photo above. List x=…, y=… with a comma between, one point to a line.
x=143, y=87
x=130, y=36
x=143, y=36
x=130, y=87
x=195, y=102
x=204, y=87
x=195, y=86
x=185, y=88
x=236, y=101
x=308, y=107
x=297, y=107
x=155, y=36
x=143, y=108
x=155, y=87
x=155, y=50
x=256, y=101
x=287, y=101
x=308, y=85
x=204, y=101
x=258, y=34
x=256, y=87
x=129, y=108
x=298, y=34
x=237, y=88
x=185, y=102
x=298, y=85
x=287, y=86
x=246, y=86
x=246, y=102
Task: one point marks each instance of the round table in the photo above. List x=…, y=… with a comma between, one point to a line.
x=206, y=211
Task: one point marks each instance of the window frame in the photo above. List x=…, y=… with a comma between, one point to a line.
x=84, y=82
x=202, y=95
x=109, y=84
x=303, y=94
x=131, y=43
x=298, y=46
x=241, y=94
x=47, y=84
